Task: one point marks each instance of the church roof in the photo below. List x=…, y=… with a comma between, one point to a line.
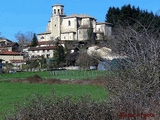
x=106, y=23
x=58, y=5
x=43, y=33
x=79, y=16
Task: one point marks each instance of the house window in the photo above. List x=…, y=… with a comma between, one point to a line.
x=64, y=37
x=43, y=50
x=55, y=25
x=61, y=11
x=69, y=23
x=54, y=11
x=99, y=29
x=48, y=55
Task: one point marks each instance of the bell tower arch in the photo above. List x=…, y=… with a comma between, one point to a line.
x=58, y=9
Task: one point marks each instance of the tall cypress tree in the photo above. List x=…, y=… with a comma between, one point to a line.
x=34, y=41
x=59, y=55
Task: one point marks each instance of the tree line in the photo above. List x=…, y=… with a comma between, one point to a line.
x=130, y=15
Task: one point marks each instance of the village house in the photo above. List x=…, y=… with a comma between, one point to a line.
x=6, y=44
x=9, y=52
x=46, y=51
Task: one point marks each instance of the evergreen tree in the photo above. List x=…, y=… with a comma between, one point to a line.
x=59, y=55
x=113, y=15
x=129, y=15
x=34, y=41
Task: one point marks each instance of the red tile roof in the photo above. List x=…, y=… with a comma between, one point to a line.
x=6, y=52
x=45, y=43
x=42, y=48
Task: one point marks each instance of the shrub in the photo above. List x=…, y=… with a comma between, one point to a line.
x=68, y=108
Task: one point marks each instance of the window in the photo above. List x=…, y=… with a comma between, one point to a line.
x=69, y=23
x=79, y=32
x=43, y=50
x=42, y=37
x=55, y=25
x=48, y=55
x=54, y=11
x=58, y=11
x=61, y=11
x=64, y=37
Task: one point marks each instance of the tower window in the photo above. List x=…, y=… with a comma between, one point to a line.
x=61, y=11
x=69, y=23
x=58, y=11
x=54, y=11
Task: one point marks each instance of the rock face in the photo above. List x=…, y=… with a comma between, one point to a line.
x=104, y=53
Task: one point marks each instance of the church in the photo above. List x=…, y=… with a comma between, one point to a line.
x=72, y=27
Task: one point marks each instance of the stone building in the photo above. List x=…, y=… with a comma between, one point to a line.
x=9, y=52
x=72, y=27
x=6, y=44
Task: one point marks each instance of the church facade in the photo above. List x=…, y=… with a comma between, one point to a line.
x=72, y=27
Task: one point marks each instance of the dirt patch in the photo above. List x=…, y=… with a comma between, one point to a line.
x=37, y=79
x=34, y=79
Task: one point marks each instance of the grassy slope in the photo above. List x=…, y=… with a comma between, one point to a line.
x=11, y=93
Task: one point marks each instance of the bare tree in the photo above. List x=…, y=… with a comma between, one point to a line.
x=85, y=61
x=136, y=89
x=24, y=39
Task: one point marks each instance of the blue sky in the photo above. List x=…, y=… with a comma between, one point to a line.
x=33, y=15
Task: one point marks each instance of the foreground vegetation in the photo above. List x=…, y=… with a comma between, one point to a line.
x=11, y=93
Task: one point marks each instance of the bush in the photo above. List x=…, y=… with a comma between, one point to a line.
x=68, y=108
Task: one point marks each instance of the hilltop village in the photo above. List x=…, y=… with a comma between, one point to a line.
x=72, y=28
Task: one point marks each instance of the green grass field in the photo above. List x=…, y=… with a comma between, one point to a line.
x=11, y=93
x=67, y=74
